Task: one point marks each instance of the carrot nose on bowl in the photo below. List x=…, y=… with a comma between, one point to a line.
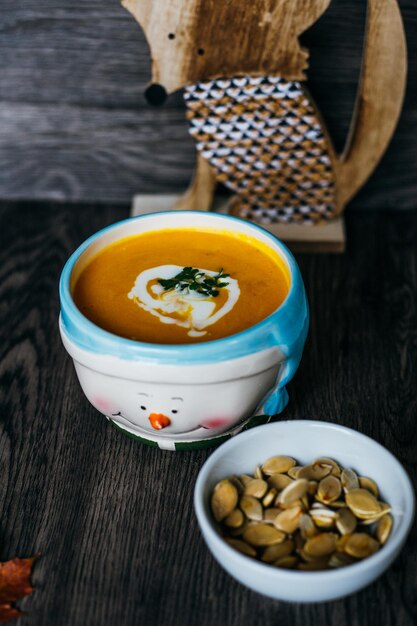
x=159, y=421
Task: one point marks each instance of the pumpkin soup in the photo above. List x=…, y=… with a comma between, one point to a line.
x=179, y=286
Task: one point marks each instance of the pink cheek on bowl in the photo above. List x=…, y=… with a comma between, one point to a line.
x=216, y=422
x=102, y=404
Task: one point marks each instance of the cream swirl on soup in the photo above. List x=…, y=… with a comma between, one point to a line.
x=186, y=308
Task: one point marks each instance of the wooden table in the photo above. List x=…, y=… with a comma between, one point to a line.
x=113, y=520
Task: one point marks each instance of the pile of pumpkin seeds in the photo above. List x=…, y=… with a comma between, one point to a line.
x=312, y=517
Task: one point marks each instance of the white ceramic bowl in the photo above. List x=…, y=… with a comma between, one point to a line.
x=305, y=441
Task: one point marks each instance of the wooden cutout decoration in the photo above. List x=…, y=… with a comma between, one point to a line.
x=253, y=121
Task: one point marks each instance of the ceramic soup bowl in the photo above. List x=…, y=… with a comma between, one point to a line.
x=208, y=390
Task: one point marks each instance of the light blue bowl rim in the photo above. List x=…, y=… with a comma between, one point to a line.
x=285, y=327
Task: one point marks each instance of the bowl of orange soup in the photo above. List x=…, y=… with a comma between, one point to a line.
x=184, y=327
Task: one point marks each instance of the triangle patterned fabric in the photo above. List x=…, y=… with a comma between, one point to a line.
x=265, y=142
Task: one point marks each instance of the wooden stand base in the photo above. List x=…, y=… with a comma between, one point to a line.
x=327, y=238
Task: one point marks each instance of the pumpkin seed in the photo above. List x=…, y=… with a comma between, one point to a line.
x=270, y=514
x=278, y=465
x=277, y=551
x=317, y=505
x=329, y=489
x=305, y=502
x=385, y=508
x=241, y=546
x=224, y=499
x=279, y=481
x=289, y=505
x=361, y=545
x=312, y=487
x=235, y=480
x=315, y=471
x=362, y=503
x=340, y=559
x=308, y=558
x=296, y=490
x=256, y=488
x=251, y=507
x=269, y=497
x=307, y=527
x=383, y=529
x=244, y=479
x=237, y=532
x=341, y=542
x=346, y=521
x=369, y=484
x=323, y=518
x=288, y=520
x=293, y=472
x=324, y=460
x=235, y=519
x=338, y=504
x=312, y=566
x=321, y=544
x=287, y=562
x=263, y=535
x=258, y=472
x=349, y=480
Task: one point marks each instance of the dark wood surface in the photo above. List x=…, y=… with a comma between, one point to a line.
x=113, y=520
x=74, y=123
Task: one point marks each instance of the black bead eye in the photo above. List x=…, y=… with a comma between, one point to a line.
x=143, y=408
x=174, y=411
x=155, y=94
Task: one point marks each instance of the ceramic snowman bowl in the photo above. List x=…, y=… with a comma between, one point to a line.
x=209, y=390
x=305, y=441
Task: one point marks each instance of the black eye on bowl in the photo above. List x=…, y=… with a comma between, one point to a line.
x=174, y=411
x=143, y=408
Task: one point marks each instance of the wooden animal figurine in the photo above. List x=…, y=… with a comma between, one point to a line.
x=256, y=127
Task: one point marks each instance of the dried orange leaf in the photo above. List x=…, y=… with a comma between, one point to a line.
x=8, y=612
x=14, y=584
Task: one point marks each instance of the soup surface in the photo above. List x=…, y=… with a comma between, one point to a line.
x=178, y=286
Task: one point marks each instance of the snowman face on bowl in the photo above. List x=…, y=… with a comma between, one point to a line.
x=166, y=409
x=156, y=414
x=184, y=410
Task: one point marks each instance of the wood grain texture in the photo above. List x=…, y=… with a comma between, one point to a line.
x=187, y=38
x=74, y=124
x=200, y=194
x=113, y=520
x=379, y=101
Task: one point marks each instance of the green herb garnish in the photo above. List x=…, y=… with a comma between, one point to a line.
x=192, y=279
